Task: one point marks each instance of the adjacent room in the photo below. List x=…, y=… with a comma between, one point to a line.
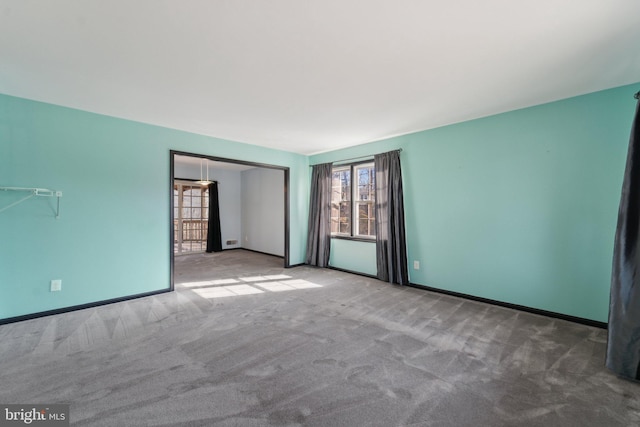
x=249, y=208
x=309, y=214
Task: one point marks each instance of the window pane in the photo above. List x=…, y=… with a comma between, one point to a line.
x=335, y=216
x=363, y=225
x=352, y=207
x=340, y=200
x=335, y=209
x=334, y=225
x=190, y=228
x=366, y=213
x=344, y=218
x=365, y=196
x=366, y=182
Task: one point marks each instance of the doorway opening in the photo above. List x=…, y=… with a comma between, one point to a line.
x=253, y=204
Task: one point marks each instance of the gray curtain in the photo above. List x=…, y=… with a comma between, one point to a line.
x=319, y=237
x=623, y=345
x=391, y=246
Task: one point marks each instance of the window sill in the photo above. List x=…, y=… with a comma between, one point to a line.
x=353, y=238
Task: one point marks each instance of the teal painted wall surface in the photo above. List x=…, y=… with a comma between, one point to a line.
x=519, y=207
x=353, y=255
x=112, y=238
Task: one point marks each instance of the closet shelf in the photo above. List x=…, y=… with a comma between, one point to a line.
x=33, y=192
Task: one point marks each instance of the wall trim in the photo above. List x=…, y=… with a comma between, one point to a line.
x=302, y=264
x=80, y=307
x=253, y=250
x=344, y=270
x=518, y=307
x=574, y=319
x=553, y=314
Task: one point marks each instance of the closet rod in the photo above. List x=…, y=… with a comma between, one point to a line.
x=42, y=192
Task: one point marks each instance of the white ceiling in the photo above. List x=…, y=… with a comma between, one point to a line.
x=311, y=76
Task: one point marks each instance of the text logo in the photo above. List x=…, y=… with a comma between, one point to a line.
x=34, y=415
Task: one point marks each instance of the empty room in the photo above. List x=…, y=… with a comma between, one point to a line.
x=332, y=213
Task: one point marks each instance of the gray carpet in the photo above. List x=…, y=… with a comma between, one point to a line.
x=244, y=342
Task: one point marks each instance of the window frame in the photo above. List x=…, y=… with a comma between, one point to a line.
x=178, y=216
x=352, y=167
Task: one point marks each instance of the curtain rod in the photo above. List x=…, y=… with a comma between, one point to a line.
x=360, y=157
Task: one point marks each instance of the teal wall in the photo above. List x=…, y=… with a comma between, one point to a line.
x=112, y=238
x=519, y=207
x=353, y=255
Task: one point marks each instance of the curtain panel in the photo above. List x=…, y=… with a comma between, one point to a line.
x=214, y=235
x=391, y=245
x=623, y=345
x=319, y=235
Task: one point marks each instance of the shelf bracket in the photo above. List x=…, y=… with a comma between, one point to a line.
x=41, y=192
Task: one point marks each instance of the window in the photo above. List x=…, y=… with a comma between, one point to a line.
x=190, y=217
x=353, y=201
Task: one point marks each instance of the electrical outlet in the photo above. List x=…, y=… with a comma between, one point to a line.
x=416, y=265
x=56, y=285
